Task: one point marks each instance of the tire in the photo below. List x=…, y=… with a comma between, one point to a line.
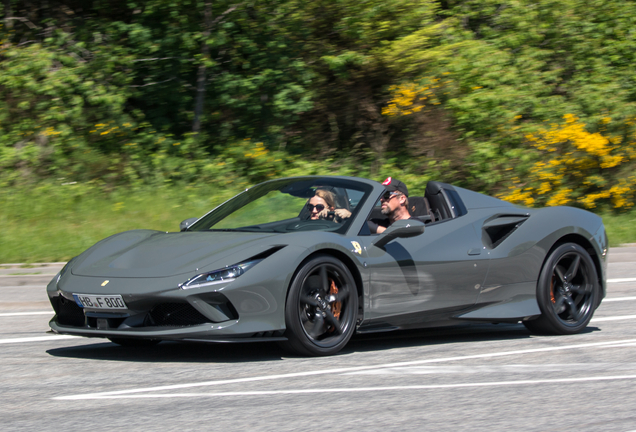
x=567, y=292
x=134, y=343
x=320, y=320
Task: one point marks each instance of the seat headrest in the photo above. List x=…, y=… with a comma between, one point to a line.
x=417, y=206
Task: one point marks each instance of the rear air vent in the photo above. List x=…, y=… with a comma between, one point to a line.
x=498, y=228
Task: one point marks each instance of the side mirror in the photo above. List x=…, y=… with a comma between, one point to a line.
x=186, y=223
x=403, y=228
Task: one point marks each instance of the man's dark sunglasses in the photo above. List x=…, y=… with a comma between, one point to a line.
x=318, y=207
x=388, y=195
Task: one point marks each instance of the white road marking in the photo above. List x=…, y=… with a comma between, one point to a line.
x=621, y=280
x=37, y=339
x=621, y=345
x=342, y=370
x=614, y=318
x=365, y=389
x=618, y=299
x=26, y=313
x=506, y=369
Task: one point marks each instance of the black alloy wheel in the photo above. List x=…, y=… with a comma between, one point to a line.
x=567, y=292
x=322, y=307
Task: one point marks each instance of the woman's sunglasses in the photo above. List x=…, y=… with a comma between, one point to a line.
x=318, y=207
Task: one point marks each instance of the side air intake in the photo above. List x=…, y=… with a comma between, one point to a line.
x=498, y=228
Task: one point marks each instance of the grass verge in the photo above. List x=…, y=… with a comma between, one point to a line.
x=620, y=228
x=54, y=224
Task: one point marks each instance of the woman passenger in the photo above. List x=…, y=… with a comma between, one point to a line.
x=323, y=206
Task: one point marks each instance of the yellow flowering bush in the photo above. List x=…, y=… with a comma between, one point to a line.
x=411, y=97
x=249, y=160
x=578, y=167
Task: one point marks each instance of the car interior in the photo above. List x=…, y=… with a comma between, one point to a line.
x=439, y=203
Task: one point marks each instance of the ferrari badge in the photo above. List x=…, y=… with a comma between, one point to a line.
x=357, y=247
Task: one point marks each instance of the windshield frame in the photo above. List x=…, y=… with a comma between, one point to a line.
x=300, y=184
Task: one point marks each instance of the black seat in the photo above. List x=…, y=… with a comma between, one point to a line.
x=437, y=201
x=420, y=208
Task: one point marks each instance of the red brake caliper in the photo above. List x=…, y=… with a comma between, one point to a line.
x=336, y=306
x=552, y=299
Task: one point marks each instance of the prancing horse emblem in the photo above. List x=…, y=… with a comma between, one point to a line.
x=357, y=248
x=105, y=282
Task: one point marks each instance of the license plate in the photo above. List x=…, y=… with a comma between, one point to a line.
x=103, y=302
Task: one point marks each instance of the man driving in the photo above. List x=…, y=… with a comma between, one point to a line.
x=394, y=202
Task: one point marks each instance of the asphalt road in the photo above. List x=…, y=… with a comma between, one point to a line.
x=486, y=377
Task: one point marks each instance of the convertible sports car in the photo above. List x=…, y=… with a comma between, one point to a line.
x=259, y=268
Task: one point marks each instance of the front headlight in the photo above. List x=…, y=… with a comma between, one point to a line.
x=227, y=274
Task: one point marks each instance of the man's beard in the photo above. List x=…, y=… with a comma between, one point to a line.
x=386, y=211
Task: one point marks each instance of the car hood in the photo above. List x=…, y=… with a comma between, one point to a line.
x=146, y=253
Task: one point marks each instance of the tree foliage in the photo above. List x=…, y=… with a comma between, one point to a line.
x=125, y=92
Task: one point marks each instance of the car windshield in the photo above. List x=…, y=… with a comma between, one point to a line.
x=290, y=205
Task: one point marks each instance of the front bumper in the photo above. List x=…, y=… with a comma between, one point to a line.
x=200, y=333
x=222, y=313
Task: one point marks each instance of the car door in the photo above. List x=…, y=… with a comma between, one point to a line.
x=440, y=270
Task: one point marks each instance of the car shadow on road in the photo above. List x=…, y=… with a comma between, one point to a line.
x=465, y=333
x=177, y=352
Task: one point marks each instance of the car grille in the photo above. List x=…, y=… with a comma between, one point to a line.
x=69, y=313
x=176, y=314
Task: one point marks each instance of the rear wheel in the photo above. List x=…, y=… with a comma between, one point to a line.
x=567, y=292
x=134, y=343
x=321, y=308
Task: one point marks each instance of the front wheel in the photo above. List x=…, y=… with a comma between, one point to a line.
x=567, y=292
x=321, y=308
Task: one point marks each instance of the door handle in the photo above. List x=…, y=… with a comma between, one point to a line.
x=475, y=251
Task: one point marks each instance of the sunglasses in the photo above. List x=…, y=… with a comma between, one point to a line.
x=318, y=207
x=388, y=195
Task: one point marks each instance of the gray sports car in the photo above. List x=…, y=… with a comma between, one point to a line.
x=263, y=267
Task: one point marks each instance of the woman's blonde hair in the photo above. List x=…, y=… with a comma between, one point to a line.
x=328, y=196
